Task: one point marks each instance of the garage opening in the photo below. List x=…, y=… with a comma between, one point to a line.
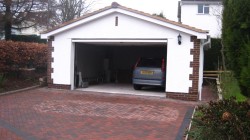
x=101, y=63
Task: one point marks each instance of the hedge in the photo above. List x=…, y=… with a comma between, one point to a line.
x=16, y=55
x=28, y=38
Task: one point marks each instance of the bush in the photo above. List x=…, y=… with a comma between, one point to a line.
x=15, y=55
x=224, y=119
x=235, y=36
x=2, y=79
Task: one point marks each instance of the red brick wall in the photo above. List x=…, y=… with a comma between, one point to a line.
x=59, y=86
x=50, y=59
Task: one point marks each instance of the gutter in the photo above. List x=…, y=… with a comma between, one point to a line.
x=207, y=42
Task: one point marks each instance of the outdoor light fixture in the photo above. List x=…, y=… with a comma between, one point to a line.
x=179, y=39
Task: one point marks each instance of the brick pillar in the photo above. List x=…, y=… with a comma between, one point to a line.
x=195, y=64
x=50, y=60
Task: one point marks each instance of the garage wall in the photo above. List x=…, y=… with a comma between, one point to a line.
x=178, y=56
x=62, y=60
x=178, y=65
x=89, y=60
x=128, y=27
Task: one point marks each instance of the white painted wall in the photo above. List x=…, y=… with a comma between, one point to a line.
x=178, y=56
x=62, y=60
x=211, y=21
x=201, y=72
x=178, y=65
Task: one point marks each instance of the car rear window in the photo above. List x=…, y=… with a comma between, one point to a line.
x=150, y=62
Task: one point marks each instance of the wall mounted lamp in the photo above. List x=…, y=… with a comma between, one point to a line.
x=179, y=39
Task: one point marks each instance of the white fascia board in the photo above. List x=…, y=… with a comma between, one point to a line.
x=143, y=17
x=121, y=40
x=77, y=23
x=165, y=24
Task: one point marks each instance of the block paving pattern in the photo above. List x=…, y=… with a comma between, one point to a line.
x=124, y=111
x=50, y=114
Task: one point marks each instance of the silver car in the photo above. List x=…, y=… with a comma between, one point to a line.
x=149, y=72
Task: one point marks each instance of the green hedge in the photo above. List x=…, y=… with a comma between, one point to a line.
x=28, y=38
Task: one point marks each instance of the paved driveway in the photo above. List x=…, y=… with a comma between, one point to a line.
x=50, y=114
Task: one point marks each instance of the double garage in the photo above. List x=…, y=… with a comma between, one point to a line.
x=112, y=62
x=104, y=46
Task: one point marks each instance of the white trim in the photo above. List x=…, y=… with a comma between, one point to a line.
x=72, y=66
x=129, y=13
x=120, y=40
x=77, y=23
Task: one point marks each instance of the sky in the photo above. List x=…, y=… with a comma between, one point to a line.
x=168, y=7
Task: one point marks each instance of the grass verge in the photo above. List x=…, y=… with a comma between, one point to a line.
x=230, y=87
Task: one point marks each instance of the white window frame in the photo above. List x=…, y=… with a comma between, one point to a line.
x=204, y=6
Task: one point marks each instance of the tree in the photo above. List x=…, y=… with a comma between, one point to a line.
x=160, y=15
x=21, y=14
x=236, y=40
x=70, y=9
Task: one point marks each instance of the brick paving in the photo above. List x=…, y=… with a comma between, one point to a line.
x=208, y=94
x=50, y=114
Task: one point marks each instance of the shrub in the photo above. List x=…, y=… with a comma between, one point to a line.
x=28, y=38
x=15, y=55
x=235, y=37
x=224, y=119
x=2, y=79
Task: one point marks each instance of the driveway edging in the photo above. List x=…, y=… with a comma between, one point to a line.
x=19, y=90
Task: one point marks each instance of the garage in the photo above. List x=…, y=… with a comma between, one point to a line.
x=104, y=46
x=112, y=62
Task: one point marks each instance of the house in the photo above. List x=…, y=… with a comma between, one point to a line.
x=203, y=14
x=113, y=38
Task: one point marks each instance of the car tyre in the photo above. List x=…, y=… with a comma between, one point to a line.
x=137, y=87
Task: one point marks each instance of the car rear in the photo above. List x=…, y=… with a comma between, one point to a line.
x=149, y=72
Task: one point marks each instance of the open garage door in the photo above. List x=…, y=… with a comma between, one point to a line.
x=106, y=62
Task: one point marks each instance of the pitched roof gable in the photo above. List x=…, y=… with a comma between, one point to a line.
x=116, y=5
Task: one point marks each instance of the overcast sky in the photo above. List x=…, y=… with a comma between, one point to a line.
x=168, y=7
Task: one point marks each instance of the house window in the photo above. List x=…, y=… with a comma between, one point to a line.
x=203, y=9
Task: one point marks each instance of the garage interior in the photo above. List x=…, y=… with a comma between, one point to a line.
x=102, y=63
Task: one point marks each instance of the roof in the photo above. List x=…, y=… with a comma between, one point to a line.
x=116, y=5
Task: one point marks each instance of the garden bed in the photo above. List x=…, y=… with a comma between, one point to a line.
x=20, y=80
x=11, y=84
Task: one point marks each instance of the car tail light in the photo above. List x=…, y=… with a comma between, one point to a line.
x=137, y=62
x=162, y=65
x=163, y=68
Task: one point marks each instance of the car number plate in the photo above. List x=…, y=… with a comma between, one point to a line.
x=147, y=72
